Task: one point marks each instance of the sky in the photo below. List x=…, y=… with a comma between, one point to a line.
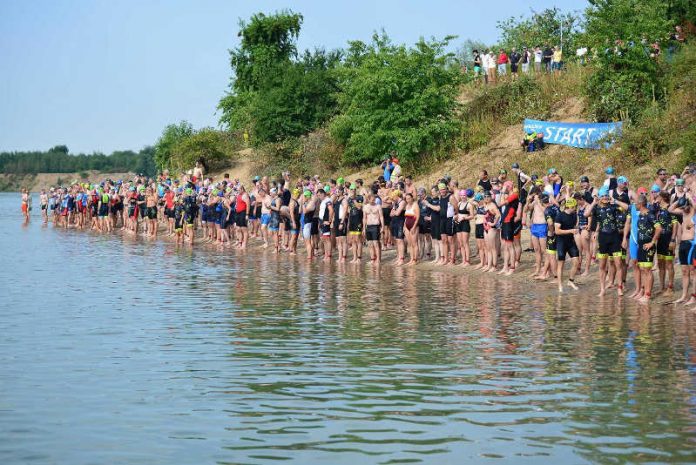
x=100, y=76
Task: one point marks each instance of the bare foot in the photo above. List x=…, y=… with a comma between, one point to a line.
x=572, y=284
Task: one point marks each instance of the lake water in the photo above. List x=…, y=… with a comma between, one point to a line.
x=123, y=351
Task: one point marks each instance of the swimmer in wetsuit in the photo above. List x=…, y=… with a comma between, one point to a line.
x=565, y=225
x=355, y=222
x=326, y=214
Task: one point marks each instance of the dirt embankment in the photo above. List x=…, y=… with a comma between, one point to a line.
x=36, y=182
x=500, y=152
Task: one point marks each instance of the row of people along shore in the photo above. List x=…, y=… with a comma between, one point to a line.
x=626, y=231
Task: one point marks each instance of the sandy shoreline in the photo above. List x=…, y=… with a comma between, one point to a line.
x=586, y=284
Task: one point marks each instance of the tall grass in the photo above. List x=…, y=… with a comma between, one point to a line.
x=492, y=107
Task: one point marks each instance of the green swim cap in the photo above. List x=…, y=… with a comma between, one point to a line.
x=340, y=181
x=442, y=185
x=327, y=188
x=307, y=193
x=189, y=191
x=353, y=186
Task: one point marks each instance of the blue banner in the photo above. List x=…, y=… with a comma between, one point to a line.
x=580, y=135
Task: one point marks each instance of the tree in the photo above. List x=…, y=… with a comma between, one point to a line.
x=214, y=147
x=275, y=93
x=396, y=98
x=59, y=149
x=626, y=20
x=547, y=27
x=627, y=79
x=464, y=53
x=172, y=135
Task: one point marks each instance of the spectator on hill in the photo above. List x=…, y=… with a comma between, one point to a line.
x=477, y=63
x=490, y=70
x=502, y=62
x=515, y=59
x=557, y=59
x=547, y=57
x=538, y=58
x=581, y=54
x=524, y=60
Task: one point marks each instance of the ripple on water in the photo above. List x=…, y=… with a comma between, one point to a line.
x=116, y=350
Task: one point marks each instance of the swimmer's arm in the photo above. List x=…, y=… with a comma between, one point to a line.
x=627, y=230
x=470, y=216
x=673, y=208
x=417, y=210
x=656, y=235
x=433, y=207
x=621, y=204
x=401, y=208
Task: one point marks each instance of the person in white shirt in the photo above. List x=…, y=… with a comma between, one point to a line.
x=491, y=66
x=537, y=59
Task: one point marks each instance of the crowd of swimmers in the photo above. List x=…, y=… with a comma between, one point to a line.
x=626, y=231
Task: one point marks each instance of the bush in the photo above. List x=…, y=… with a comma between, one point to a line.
x=397, y=99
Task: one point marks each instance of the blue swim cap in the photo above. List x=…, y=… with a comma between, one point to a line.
x=604, y=192
x=478, y=197
x=469, y=192
x=655, y=188
x=622, y=180
x=609, y=170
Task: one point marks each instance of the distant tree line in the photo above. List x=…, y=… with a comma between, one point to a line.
x=59, y=160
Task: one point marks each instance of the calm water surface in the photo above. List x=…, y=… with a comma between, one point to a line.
x=121, y=351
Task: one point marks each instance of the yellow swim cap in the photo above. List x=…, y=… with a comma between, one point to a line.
x=571, y=203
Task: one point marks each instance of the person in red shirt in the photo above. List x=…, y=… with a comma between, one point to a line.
x=502, y=63
x=169, y=210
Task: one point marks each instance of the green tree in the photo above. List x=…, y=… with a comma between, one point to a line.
x=172, y=135
x=464, y=53
x=626, y=20
x=396, y=98
x=214, y=147
x=59, y=149
x=550, y=26
x=275, y=93
x=627, y=79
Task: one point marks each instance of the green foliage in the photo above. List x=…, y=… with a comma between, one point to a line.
x=214, y=147
x=395, y=98
x=493, y=108
x=172, y=135
x=626, y=20
x=59, y=149
x=266, y=42
x=627, y=80
x=669, y=127
x=623, y=84
x=275, y=93
x=464, y=53
x=60, y=161
x=541, y=28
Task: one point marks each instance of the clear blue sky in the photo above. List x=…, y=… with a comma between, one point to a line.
x=100, y=75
